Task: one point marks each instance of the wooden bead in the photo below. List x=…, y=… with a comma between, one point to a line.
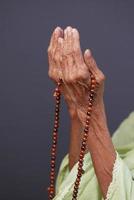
x=86, y=130
x=81, y=155
x=56, y=89
x=91, y=100
x=77, y=183
x=91, y=76
x=92, y=91
x=93, y=86
x=80, y=164
x=83, y=148
x=91, y=95
x=85, y=135
x=55, y=138
x=56, y=109
x=79, y=175
x=93, y=81
x=88, y=113
x=56, y=114
x=57, y=106
x=52, y=162
x=53, y=157
x=52, y=173
x=55, y=125
x=83, y=143
x=88, y=117
x=51, y=181
x=53, y=153
x=58, y=102
x=86, y=126
x=54, y=134
x=54, y=142
x=56, y=122
x=53, y=165
x=90, y=104
x=74, y=196
x=53, y=146
x=55, y=130
x=84, y=139
x=57, y=97
x=87, y=122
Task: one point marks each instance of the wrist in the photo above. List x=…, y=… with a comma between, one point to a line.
x=98, y=115
x=73, y=112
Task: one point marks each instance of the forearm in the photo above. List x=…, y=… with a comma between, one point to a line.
x=75, y=139
x=101, y=148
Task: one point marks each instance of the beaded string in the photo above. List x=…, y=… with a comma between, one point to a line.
x=84, y=139
x=57, y=94
x=51, y=188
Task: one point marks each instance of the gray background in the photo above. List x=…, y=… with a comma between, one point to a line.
x=26, y=102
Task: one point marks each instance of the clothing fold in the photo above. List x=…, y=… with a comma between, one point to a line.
x=122, y=184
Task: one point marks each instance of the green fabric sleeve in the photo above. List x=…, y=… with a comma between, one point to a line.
x=122, y=184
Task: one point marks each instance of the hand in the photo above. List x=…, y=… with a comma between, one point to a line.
x=55, y=71
x=67, y=62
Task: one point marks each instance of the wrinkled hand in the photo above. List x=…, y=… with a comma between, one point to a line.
x=67, y=62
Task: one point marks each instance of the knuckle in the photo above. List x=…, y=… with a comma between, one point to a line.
x=52, y=56
x=49, y=49
x=64, y=57
x=70, y=79
x=79, y=77
x=76, y=51
x=102, y=77
x=82, y=74
x=50, y=74
x=56, y=57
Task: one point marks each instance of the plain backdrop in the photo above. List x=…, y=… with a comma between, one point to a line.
x=26, y=101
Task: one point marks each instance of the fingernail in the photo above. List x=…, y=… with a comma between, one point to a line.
x=88, y=52
x=69, y=31
x=75, y=32
x=65, y=33
x=68, y=27
x=57, y=29
x=60, y=40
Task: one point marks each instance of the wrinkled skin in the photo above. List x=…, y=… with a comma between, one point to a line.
x=67, y=62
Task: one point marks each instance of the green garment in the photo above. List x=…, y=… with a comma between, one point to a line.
x=122, y=185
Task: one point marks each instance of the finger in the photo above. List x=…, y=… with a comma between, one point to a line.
x=76, y=47
x=58, y=58
x=71, y=64
x=67, y=58
x=92, y=66
x=90, y=62
x=51, y=51
x=58, y=32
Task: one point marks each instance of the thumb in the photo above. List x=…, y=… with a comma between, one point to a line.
x=92, y=66
x=87, y=58
x=91, y=63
